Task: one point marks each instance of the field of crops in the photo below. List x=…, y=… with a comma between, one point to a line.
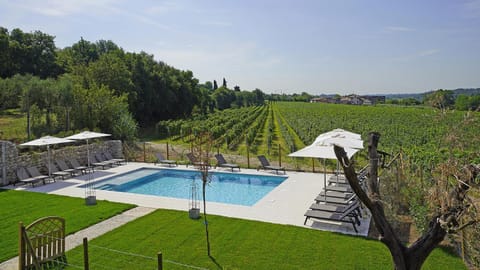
x=426, y=135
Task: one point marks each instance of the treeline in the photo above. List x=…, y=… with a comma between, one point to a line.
x=78, y=86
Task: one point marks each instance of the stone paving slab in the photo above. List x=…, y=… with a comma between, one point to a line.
x=76, y=239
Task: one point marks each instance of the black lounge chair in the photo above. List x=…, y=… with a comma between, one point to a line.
x=161, y=159
x=193, y=161
x=264, y=164
x=221, y=162
x=348, y=215
x=98, y=161
x=327, y=207
x=63, y=166
x=109, y=157
x=33, y=171
x=76, y=166
x=336, y=194
x=23, y=177
x=334, y=200
x=58, y=173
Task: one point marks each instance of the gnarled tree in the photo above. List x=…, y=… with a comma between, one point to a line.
x=451, y=215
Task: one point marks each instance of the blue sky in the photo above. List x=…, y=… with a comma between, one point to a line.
x=344, y=46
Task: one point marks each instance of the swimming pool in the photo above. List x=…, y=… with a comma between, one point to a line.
x=231, y=188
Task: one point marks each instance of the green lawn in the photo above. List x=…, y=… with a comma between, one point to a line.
x=26, y=207
x=237, y=244
x=13, y=125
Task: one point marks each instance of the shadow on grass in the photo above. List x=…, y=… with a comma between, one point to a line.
x=219, y=266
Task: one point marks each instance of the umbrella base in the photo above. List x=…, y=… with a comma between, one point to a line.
x=91, y=200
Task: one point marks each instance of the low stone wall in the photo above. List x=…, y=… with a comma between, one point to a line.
x=13, y=159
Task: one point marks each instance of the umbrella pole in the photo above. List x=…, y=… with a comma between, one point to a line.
x=48, y=159
x=325, y=178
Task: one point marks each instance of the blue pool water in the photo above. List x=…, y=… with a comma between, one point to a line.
x=231, y=188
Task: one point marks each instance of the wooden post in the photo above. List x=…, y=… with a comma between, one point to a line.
x=248, y=156
x=313, y=165
x=21, y=246
x=85, y=253
x=144, y=154
x=168, y=155
x=279, y=155
x=160, y=260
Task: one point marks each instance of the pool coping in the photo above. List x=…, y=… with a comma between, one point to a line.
x=286, y=204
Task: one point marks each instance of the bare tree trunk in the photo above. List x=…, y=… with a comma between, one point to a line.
x=205, y=213
x=411, y=258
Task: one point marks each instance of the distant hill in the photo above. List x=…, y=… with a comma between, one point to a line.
x=419, y=96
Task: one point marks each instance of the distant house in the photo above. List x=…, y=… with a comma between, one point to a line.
x=351, y=99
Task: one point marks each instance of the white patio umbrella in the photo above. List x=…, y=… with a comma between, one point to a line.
x=47, y=140
x=322, y=147
x=87, y=135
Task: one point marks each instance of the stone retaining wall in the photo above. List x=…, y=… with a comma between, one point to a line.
x=14, y=159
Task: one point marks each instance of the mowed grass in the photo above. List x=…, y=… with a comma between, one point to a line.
x=237, y=244
x=26, y=207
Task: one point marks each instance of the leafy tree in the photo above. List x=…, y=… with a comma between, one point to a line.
x=223, y=98
x=215, y=86
x=441, y=99
x=224, y=84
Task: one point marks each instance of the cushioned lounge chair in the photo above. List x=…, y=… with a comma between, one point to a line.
x=334, y=200
x=347, y=216
x=161, y=159
x=193, y=161
x=58, y=173
x=337, y=208
x=98, y=161
x=221, y=162
x=264, y=164
x=33, y=171
x=23, y=177
x=336, y=194
x=76, y=166
x=109, y=157
x=64, y=167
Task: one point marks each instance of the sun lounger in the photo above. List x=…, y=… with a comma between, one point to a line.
x=161, y=159
x=337, y=208
x=346, y=216
x=33, y=171
x=334, y=200
x=109, y=157
x=264, y=164
x=193, y=161
x=63, y=166
x=98, y=161
x=339, y=188
x=23, y=177
x=221, y=162
x=76, y=166
x=58, y=173
x=336, y=194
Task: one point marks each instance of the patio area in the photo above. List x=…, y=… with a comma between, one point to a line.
x=286, y=204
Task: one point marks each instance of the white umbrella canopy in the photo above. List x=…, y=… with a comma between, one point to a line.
x=86, y=135
x=47, y=140
x=340, y=137
x=322, y=147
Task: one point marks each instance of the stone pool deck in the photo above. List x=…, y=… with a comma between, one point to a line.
x=286, y=204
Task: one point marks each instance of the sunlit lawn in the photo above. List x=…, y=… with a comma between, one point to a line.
x=237, y=244
x=26, y=207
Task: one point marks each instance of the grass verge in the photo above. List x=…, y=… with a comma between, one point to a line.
x=237, y=244
x=26, y=207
